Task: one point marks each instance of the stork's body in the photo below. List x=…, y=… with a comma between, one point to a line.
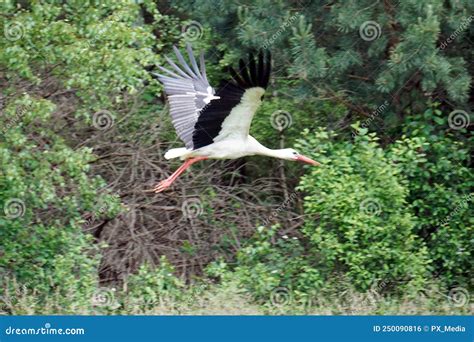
x=229, y=148
x=216, y=125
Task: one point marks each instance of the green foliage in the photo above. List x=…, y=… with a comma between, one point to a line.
x=152, y=287
x=436, y=162
x=361, y=223
x=358, y=54
x=97, y=54
x=378, y=216
x=44, y=189
x=270, y=262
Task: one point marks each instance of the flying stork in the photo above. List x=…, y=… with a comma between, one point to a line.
x=215, y=124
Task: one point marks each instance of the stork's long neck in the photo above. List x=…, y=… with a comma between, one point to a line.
x=263, y=150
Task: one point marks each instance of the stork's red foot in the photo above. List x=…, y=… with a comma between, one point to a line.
x=163, y=185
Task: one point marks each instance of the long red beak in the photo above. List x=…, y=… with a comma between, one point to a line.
x=307, y=160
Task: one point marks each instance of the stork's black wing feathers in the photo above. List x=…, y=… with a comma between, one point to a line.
x=237, y=77
x=253, y=74
x=253, y=69
x=210, y=120
x=261, y=67
x=244, y=72
x=267, y=69
x=212, y=116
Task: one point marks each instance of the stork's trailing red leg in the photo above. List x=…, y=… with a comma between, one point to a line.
x=164, y=184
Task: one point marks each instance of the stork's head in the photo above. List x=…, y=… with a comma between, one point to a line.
x=291, y=154
x=253, y=96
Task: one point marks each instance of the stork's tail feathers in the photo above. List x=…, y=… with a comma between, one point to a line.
x=176, y=152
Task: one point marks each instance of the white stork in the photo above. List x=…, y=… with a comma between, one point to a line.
x=215, y=125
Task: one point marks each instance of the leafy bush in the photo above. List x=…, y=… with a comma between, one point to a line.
x=154, y=287
x=270, y=262
x=436, y=162
x=362, y=225
x=44, y=190
x=60, y=63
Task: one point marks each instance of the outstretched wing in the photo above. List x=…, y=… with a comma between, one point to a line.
x=231, y=114
x=188, y=93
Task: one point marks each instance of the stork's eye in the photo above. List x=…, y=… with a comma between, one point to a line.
x=295, y=153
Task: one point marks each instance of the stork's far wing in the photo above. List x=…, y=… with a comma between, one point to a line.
x=188, y=93
x=231, y=114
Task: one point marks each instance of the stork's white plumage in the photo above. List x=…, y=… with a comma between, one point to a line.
x=215, y=125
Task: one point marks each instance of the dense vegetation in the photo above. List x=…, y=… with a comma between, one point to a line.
x=379, y=92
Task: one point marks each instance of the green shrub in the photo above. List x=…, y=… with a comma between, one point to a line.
x=44, y=191
x=362, y=225
x=152, y=288
x=435, y=163
x=270, y=262
x=358, y=225
x=61, y=63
